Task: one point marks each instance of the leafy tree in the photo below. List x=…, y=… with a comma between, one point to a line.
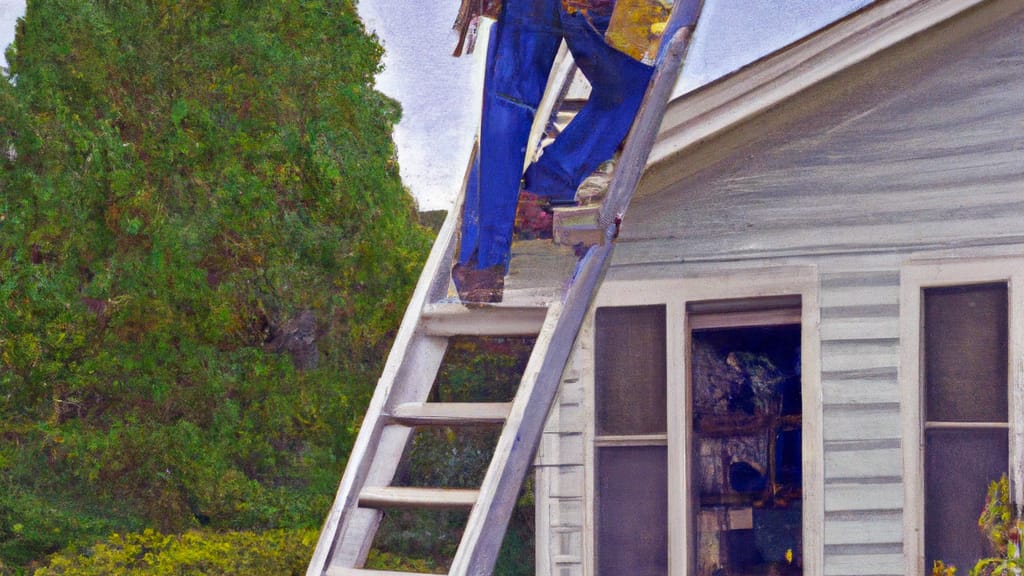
x=205, y=248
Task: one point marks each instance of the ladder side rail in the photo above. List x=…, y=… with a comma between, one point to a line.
x=563, y=70
x=518, y=443
x=437, y=265
x=637, y=147
x=648, y=120
x=432, y=285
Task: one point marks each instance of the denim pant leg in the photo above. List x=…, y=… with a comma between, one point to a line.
x=524, y=42
x=618, y=86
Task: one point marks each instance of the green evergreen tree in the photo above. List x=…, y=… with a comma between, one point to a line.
x=205, y=248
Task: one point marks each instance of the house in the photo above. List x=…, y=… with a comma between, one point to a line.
x=857, y=197
x=806, y=352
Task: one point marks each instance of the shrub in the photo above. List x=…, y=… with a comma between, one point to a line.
x=150, y=553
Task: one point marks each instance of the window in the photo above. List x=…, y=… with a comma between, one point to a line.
x=965, y=415
x=706, y=436
x=632, y=503
x=746, y=425
x=958, y=326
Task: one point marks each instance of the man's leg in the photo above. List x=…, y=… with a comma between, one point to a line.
x=618, y=85
x=523, y=46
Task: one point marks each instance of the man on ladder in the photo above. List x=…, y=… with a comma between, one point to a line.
x=522, y=48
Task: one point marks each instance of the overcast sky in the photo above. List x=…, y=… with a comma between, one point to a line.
x=733, y=33
x=10, y=10
x=440, y=95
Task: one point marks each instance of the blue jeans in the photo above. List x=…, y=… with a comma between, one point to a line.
x=520, y=54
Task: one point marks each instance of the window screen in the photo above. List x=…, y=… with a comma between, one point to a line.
x=630, y=370
x=966, y=407
x=959, y=464
x=966, y=353
x=632, y=511
x=632, y=476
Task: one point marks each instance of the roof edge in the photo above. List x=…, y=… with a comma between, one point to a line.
x=704, y=113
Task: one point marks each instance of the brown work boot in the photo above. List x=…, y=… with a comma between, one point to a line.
x=479, y=285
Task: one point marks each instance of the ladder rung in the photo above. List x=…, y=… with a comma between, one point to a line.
x=408, y=497
x=450, y=413
x=343, y=571
x=458, y=320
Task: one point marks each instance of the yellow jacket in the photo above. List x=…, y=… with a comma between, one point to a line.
x=636, y=27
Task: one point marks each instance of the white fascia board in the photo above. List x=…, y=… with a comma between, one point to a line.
x=701, y=114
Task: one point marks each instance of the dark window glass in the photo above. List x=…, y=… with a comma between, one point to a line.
x=632, y=511
x=965, y=352
x=630, y=370
x=747, y=424
x=959, y=464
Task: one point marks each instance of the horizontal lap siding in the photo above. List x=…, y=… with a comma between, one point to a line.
x=924, y=156
x=561, y=477
x=859, y=330
x=929, y=157
x=886, y=563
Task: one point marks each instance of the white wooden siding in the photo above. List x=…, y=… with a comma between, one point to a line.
x=888, y=562
x=861, y=420
x=923, y=158
x=561, y=480
x=919, y=151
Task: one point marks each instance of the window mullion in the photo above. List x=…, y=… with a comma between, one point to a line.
x=631, y=440
x=677, y=403
x=966, y=425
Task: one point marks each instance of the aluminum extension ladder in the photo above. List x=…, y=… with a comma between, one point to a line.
x=400, y=402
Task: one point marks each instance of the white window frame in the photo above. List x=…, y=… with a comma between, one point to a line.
x=915, y=276
x=675, y=294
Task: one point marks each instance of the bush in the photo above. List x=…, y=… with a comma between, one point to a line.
x=273, y=553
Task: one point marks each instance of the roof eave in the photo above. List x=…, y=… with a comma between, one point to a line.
x=699, y=115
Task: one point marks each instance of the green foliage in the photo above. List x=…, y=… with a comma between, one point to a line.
x=1001, y=525
x=384, y=561
x=205, y=249
x=473, y=370
x=33, y=525
x=274, y=553
x=996, y=520
x=1002, y=528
